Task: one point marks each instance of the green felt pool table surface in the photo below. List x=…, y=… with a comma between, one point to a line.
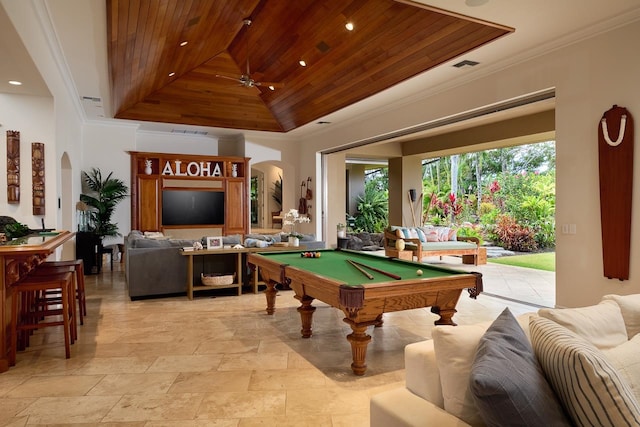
x=333, y=264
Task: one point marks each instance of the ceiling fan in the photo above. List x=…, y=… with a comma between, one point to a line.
x=245, y=79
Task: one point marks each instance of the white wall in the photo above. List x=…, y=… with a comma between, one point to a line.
x=157, y=142
x=32, y=116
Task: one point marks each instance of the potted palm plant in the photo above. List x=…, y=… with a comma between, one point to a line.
x=105, y=195
x=100, y=204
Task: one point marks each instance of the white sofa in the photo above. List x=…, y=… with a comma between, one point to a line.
x=445, y=375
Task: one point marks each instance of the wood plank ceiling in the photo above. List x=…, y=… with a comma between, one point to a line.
x=392, y=40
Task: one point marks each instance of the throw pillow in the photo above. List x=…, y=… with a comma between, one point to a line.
x=602, y=324
x=443, y=234
x=630, y=308
x=590, y=389
x=626, y=361
x=507, y=382
x=431, y=234
x=455, y=348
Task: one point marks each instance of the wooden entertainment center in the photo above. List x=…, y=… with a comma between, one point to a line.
x=218, y=183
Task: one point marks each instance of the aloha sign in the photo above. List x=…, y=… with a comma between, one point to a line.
x=203, y=169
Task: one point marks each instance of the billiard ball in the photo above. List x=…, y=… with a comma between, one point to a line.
x=419, y=272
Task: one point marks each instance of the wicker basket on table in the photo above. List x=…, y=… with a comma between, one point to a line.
x=217, y=279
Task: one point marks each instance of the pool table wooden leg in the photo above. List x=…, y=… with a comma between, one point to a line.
x=271, y=293
x=359, y=340
x=306, y=311
x=446, y=316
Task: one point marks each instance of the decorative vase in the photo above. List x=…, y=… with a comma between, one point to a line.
x=234, y=170
x=147, y=167
x=294, y=241
x=400, y=244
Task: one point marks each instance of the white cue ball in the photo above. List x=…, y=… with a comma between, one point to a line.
x=419, y=272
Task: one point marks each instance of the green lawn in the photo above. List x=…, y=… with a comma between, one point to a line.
x=541, y=261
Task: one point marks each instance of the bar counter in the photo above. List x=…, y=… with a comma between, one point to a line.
x=17, y=258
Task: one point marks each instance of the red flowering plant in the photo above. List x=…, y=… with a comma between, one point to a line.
x=442, y=211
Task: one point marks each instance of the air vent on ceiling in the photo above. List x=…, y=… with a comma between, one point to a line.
x=323, y=47
x=466, y=63
x=193, y=21
x=91, y=98
x=189, y=132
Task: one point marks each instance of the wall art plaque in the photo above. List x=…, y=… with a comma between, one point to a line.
x=13, y=166
x=37, y=173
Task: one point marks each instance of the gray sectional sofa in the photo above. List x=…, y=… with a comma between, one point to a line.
x=155, y=267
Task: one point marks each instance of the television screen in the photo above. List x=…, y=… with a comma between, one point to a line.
x=192, y=207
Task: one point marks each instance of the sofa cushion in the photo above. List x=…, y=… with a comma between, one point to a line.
x=601, y=324
x=423, y=377
x=626, y=361
x=455, y=348
x=449, y=245
x=589, y=387
x=507, y=382
x=630, y=308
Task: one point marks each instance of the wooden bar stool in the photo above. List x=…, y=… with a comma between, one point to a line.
x=78, y=266
x=31, y=313
x=44, y=270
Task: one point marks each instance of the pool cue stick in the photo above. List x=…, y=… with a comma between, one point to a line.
x=360, y=269
x=420, y=207
x=386, y=273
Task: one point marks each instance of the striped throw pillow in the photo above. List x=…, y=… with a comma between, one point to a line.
x=589, y=388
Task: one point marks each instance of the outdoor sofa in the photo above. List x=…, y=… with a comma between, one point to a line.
x=430, y=241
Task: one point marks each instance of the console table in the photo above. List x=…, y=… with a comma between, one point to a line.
x=191, y=288
x=17, y=258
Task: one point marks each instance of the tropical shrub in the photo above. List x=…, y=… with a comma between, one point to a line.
x=514, y=236
x=470, y=230
x=372, y=215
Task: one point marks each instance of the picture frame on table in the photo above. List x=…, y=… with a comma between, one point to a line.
x=214, y=242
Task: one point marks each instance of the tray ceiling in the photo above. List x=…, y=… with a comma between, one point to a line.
x=392, y=41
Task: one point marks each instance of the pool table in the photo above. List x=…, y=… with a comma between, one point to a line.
x=331, y=279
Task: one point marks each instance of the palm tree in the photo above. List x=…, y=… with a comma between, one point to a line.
x=106, y=194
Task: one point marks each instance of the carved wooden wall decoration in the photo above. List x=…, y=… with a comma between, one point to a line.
x=615, y=150
x=13, y=166
x=37, y=173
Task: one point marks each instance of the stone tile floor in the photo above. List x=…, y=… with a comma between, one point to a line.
x=221, y=361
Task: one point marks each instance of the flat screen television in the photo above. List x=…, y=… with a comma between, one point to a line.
x=192, y=207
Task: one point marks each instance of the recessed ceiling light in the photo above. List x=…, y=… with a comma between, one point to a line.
x=15, y=82
x=272, y=88
x=184, y=43
x=304, y=64
x=349, y=26
x=171, y=74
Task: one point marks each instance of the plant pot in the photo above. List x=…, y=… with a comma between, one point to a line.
x=294, y=241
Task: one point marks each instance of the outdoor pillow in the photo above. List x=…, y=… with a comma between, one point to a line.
x=589, y=387
x=601, y=324
x=430, y=232
x=507, y=382
x=630, y=308
x=443, y=233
